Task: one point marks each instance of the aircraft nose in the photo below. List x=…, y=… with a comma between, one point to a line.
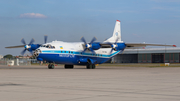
x=36, y=52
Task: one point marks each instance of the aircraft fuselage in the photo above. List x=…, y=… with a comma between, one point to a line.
x=71, y=53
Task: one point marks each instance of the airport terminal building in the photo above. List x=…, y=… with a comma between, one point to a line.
x=149, y=55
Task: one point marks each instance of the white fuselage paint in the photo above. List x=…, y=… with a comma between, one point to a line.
x=72, y=46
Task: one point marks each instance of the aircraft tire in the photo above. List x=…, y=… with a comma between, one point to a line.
x=68, y=66
x=88, y=66
x=91, y=66
x=51, y=66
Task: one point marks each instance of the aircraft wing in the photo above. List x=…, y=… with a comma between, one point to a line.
x=135, y=45
x=132, y=45
x=15, y=46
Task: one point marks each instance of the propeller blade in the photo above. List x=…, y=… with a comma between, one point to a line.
x=84, y=50
x=32, y=41
x=83, y=40
x=15, y=46
x=22, y=53
x=45, y=38
x=94, y=39
x=92, y=50
x=122, y=51
x=31, y=52
x=23, y=41
x=111, y=50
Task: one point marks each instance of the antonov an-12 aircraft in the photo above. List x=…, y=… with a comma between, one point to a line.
x=81, y=53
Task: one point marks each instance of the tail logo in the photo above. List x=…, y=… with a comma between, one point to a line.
x=116, y=33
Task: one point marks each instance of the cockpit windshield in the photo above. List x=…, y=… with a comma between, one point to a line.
x=48, y=46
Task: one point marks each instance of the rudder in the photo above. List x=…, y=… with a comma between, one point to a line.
x=116, y=33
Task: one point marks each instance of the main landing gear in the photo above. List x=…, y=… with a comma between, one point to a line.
x=51, y=66
x=90, y=66
x=68, y=66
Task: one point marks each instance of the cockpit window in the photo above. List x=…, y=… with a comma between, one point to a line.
x=48, y=46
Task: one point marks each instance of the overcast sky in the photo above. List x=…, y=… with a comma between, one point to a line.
x=150, y=21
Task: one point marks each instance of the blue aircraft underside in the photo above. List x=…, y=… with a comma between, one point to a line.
x=74, y=59
x=70, y=59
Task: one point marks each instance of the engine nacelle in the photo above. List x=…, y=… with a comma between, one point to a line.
x=34, y=46
x=95, y=46
x=118, y=46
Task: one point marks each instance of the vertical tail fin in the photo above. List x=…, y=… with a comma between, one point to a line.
x=116, y=33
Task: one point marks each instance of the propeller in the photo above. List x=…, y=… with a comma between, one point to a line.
x=27, y=46
x=88, y=45
x=45, y=38
x=113, y=45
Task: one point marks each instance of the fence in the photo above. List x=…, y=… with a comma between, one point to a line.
x=16, y=62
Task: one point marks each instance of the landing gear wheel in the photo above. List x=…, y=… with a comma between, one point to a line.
x=51, y=66
x=88, y=67
x=91, y=66
x=68, y=66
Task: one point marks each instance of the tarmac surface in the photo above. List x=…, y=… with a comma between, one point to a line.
x=106, y=83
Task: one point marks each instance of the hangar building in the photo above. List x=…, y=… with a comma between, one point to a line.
x=149, y=55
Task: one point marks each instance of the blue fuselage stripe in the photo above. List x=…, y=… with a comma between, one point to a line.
x=79, y=53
